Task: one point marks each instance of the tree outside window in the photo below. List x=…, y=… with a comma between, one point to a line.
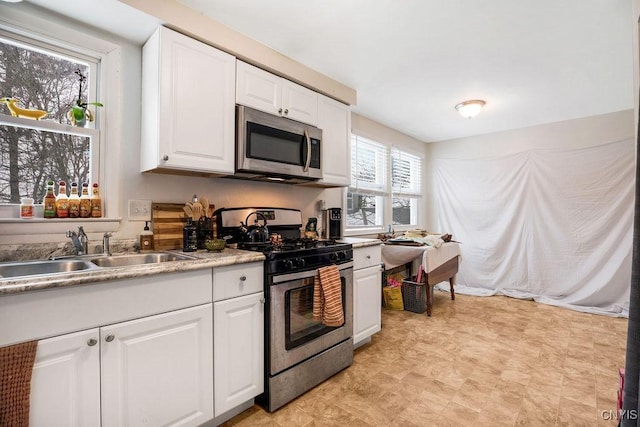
x=31, y=155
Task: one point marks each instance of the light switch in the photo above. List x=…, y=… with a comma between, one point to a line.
x=139, y=210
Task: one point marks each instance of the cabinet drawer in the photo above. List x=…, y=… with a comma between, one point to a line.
x=237, y=280
x=367, y=256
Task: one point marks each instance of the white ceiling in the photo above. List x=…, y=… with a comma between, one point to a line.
x=411, y=61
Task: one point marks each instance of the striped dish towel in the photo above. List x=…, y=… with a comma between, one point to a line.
x=327, y=297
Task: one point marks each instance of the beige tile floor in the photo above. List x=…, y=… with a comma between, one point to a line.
x=478, y=361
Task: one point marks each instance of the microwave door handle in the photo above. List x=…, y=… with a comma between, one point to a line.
x=308, y=161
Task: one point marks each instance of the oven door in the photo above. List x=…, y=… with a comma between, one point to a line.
x=294, y=335
x=275, y=145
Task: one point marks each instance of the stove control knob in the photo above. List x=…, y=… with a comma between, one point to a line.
x=333, y=256
x=342, y=255
x=287, y=264
x=298, y=262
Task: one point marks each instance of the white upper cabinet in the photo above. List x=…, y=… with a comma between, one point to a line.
x=188, y=105
x=259, y=89
x=334, y=118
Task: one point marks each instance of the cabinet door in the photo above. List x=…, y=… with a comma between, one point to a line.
x=196, y=107
x=334, y=118
x=258, y=89
x=158, y=370
x=299, y=103
x=65, y=385
x=367, y=312
x=239, y=350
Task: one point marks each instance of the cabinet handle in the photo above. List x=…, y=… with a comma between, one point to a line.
x=91, y=342
x=262, y=300
x=109, y=338
x=279, y=110
x=286, y=111
x=165, y=157
x=368, y=256
x=243, y=278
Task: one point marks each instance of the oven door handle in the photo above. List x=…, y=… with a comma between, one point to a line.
x=308, y=161
x=305, y=274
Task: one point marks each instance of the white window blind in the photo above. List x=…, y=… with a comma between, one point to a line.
x=406, y=173
x=386, y=187
x=368, y=166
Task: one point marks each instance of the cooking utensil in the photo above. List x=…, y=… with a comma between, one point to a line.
x=205, y=206
x=196, y=208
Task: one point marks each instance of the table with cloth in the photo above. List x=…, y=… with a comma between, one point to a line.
x=438, y=264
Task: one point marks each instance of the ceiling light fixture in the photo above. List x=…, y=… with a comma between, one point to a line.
x=471, y=108
x=12, y=1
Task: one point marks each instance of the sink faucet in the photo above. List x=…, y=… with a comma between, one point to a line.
x=105, y=244
x=80, y=241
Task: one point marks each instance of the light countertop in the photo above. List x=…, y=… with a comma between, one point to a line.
x=204, y=260
x=358, y=242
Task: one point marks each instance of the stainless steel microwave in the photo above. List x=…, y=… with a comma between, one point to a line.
x=276, y=147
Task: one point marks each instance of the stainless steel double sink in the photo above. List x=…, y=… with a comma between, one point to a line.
x=84, y=263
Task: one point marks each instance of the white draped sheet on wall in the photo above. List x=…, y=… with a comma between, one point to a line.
x=552, y=225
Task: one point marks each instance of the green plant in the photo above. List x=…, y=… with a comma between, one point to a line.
x=79, y=113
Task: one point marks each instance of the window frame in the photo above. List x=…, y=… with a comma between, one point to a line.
x=30, y=23
x=386, y=191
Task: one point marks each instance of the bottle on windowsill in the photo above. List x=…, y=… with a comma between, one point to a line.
x=62, y=201
x=85, y=201
x=49, y=201
x=74, y=201
x=96, y=202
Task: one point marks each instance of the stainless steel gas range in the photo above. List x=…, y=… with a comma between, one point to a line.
x=300, y=353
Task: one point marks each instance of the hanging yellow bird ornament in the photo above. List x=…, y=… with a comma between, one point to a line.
x=22, y=112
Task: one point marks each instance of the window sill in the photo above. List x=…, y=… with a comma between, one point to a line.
x=362, y=232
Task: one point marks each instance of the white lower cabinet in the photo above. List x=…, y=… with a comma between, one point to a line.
x=65, y=384
x=156, y=370
x=367, y=293
x=238, y=345
x=367, y=303
x=238, y=331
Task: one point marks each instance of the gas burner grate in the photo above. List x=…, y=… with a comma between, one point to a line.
x=286, y=245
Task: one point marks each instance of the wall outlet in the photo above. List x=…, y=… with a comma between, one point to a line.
x=139, y=210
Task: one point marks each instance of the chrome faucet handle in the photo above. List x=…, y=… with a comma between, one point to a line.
x=106, y=250
x=79, y=240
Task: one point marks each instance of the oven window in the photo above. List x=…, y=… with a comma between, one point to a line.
x=266, y=143
x=299, y=323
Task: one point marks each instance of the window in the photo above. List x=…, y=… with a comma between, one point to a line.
x=368, y=184
x=386, y=187
x=406, y=186
x=44, y=77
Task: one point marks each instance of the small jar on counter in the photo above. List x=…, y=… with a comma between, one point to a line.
x=26, y=207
